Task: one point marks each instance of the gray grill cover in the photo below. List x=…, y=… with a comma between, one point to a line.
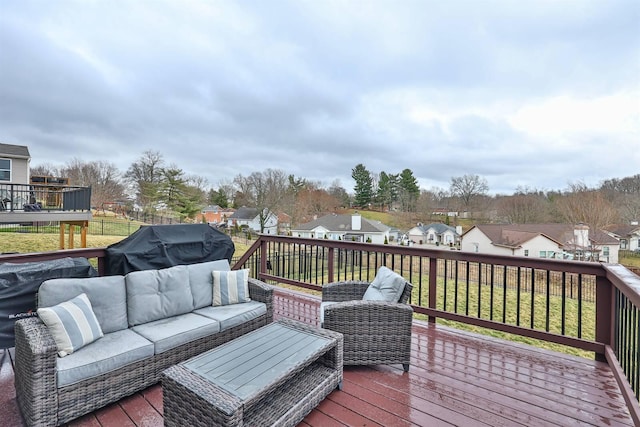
x=162, y=246
x=19, y=283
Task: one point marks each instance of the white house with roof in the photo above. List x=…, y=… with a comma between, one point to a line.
x=559, y=241
x=344, y=227
x=628, y=234
x=435, y=234
x=14, y=164
x=250, y=217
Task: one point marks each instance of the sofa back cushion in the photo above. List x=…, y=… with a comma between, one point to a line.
x=107, y=295
x=201, y=280
x=157, y=294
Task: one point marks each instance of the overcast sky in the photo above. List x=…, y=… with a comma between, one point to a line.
x=536, y=93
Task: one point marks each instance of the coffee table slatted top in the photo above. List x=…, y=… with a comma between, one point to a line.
x=244, y=366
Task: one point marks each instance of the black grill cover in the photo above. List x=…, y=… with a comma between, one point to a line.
x=162, y=246
x=19, y=284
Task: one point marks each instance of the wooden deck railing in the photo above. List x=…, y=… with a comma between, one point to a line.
x=590, y=306
x=593, y=307
x=45, y=197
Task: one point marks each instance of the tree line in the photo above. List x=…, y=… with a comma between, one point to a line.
x=152, y=186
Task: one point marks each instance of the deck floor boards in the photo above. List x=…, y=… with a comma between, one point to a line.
x=456, y=378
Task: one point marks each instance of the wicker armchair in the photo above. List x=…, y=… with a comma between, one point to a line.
x=375, y=332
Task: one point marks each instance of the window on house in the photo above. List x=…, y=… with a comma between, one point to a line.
x=623, y=243
x=526, y=252
x=5, y=170
x=605, y=251
x=543, y=254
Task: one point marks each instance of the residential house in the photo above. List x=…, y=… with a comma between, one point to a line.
x=14, y=169
x=14, y=164
x=435, y=234
x=284, y=223
x=214, y=214
x=344, y=227
x=560, y=241
x=628, y=234
x=445, y=212
x=250, y=217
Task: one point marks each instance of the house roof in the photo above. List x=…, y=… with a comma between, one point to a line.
x=438, y=227
x=514, y=235
x=342, y=223
x=16, y=151
x=245, y=213
x=216, y=208
x=623, y=230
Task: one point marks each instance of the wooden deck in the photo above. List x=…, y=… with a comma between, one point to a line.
x=456, y=378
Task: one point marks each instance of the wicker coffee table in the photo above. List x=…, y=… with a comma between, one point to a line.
x=274, y=375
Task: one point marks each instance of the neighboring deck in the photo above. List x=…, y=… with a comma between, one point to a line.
x=456, y=378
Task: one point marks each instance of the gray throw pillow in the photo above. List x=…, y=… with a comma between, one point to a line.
x=387, y=286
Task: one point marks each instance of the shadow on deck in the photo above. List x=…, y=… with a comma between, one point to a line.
x=456, y=378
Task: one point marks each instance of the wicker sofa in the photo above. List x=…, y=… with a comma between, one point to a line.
x=150, y=319
x=376, y=331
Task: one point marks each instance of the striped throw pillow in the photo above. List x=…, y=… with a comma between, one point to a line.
x=230, y=287
x=72, y=324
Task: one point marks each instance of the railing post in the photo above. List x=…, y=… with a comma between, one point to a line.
x=330, y=266
x=433, y=285
x=604, y=314
x=263, y=257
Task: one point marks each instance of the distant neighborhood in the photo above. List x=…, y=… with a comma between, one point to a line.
x=576, y=241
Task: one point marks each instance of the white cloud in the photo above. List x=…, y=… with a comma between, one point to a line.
x=615, y=114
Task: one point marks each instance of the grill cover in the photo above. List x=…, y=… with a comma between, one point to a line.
x=19, y=283
x=162, y=246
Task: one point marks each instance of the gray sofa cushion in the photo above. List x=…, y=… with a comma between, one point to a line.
x=107, y=354
x=107, y=295
x=201, y=280
x=157, y=294
x=168, y=333
x=235, y=314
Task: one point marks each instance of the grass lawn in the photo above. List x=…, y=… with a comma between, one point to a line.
x=45, y=242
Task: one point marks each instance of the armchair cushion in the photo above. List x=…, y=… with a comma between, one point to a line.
x=72, y=324
x=386, y=286
x=230, y=287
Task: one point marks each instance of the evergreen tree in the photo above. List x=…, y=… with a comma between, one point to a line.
x=387, y=189
x=364, y=185
x=409, y=190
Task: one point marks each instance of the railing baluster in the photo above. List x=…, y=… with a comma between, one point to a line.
x=479, y=312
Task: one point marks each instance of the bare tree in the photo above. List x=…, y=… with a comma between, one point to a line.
x=145, y=177
x=312, y=202
x=45, y=169
x=264, y=191
x=467, y=187
x=581, y=204
x=337, y=190
x=103, y=178
x=525, y=206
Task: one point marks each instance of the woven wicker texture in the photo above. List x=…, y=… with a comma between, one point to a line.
x=189, y=399
x=42, y=403
x=375, y=332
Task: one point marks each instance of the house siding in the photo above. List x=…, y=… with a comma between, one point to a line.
x=19, y=170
